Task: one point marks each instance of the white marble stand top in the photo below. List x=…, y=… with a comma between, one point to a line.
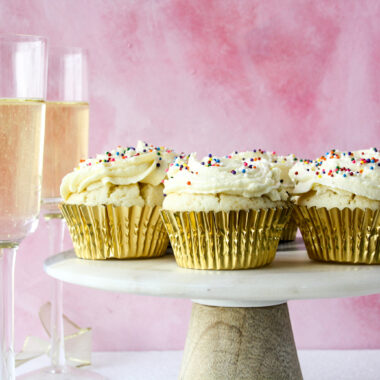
x=291, y=276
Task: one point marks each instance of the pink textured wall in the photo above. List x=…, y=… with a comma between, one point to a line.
x=291, y=76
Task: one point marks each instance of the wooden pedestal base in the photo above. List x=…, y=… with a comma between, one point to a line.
x=254, y=343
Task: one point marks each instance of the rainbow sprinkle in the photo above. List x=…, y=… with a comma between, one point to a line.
x=123, y=153
x=343, y=171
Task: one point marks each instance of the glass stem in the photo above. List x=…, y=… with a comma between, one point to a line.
x=56, y=227
x=8, y=259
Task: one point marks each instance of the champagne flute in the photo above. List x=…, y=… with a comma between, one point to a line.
x=23, y=67
x=66, y=142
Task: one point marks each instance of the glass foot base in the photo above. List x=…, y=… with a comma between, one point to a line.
x=65, y=373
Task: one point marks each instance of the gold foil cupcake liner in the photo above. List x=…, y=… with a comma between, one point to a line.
x=290, y=231
x=107, y=231
x=342, y=236
x=225, y=240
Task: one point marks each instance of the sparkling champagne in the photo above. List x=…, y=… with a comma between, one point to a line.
x=66, y=142
x=21, y=140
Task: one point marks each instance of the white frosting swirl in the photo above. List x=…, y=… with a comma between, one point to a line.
x=284, y=163
x=231, y=175
x=121, y=166
x=357, y=172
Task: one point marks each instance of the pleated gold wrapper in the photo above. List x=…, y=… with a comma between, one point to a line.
x=225, y=240
x=115, y=232
x=342, y=236
x=290, y=231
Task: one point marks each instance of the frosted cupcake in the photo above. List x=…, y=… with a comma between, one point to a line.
x=284, y=164
x=112, y=203
x=337, y=206
x=224, y=212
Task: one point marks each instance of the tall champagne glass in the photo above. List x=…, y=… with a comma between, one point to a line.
x=23, y=66
x=66, y=142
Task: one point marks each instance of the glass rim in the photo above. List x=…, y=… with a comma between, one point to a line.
x=16, y=37
x=40, y=100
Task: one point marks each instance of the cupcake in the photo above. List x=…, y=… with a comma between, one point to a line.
x=337, y=199
x=284, y=164
x=224, y=212
x=112, y=203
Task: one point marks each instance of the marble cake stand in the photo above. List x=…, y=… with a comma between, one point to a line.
x=240, y=327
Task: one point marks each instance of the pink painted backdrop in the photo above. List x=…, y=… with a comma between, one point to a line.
x=284, y=75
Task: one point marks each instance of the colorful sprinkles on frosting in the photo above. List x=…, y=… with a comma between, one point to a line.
x=260, y=154
x=209, y=161
x=123, y=153
x=246, y=165
x=355, y=158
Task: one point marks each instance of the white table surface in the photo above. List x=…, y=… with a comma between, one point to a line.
x=165, y=365
x=291, y=276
